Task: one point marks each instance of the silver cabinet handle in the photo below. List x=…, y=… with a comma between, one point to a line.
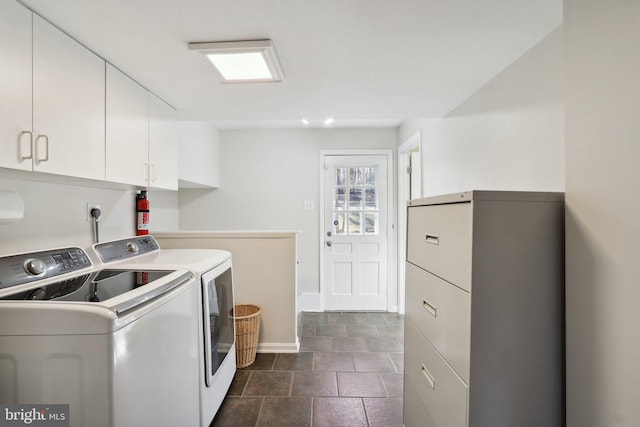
x=25, y=132
x=432, y=309
x=432, y=238
x=151, y=171
x=154, y=172
x=428, y=376
x=46, y=150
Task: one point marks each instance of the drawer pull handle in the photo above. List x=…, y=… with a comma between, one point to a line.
x=432, y=239
x=430, y=308
x=429, y=377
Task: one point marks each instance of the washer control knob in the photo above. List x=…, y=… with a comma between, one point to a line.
x=132, y=248
x=37, y=294
x=35, y=267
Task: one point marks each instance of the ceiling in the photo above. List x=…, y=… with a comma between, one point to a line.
x=363, y=62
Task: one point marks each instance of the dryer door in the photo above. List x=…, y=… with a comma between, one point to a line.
x=219, y=328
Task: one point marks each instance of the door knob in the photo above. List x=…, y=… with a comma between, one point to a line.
x=329, y=243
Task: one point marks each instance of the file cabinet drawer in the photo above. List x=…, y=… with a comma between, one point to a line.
x=443, y=393
x=414, y=412
x=442, y=313
x=439, y=240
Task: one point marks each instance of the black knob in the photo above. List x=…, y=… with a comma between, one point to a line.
x=37, y=294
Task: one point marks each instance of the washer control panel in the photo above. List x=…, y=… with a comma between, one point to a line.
x=126, y=248
x=25, y=268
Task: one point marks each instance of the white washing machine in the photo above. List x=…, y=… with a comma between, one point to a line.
x=120, y=346
x=216, y=329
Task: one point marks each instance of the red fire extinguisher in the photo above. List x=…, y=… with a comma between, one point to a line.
x=142, y=210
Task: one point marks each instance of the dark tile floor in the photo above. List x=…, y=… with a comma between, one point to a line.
x=348, y=373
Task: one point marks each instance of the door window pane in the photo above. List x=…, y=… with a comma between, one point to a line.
x=370, y=199
x=339, y=201
x=355, y=223
x=339, y=223
x=355, y=199
x=370, y=175
x=341, y=176
x=371, y=223
x=355, y=176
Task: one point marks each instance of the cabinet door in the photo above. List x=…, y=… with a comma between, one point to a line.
x=127, y=129
x=68, y=105
x=163, y=145
x=15, y=86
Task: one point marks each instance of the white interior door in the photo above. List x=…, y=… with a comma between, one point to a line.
x=355, y=227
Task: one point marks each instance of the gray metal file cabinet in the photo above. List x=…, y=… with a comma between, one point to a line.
x=484, y=310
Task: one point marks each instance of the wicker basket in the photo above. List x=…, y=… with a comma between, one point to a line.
x=247, y=320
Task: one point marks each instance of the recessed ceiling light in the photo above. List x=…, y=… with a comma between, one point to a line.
x=305, y=121
x=242, y=61
x=328, y=121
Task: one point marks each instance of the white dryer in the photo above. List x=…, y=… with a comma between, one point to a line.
x=216, y=329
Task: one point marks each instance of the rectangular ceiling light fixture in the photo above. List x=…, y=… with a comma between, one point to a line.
x=242, y=61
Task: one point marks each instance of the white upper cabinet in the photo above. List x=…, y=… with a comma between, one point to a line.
x=15, y=86
x=68, y=105
x=163, y=145
x=127, y=124
x=141, y=139
x=65, y=111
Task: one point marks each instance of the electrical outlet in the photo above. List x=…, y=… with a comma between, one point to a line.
x=308, y=205
x=89, y=207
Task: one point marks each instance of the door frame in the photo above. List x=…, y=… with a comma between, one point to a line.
x=404, y=151
x=392, y=284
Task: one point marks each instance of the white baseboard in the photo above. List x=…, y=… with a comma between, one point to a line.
x=310, y=302
x=276, y=347
x=313, y=302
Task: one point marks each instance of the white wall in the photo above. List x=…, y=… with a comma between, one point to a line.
x=266, y=175
x=163, y=207
x=603, y=201
x=507, y=136
x=55, y=214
